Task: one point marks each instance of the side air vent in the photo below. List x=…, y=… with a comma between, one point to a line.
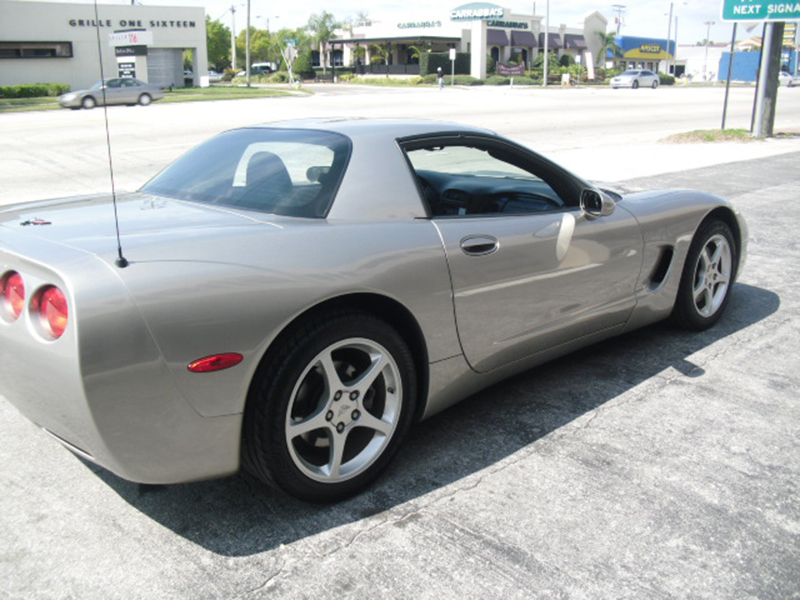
x=662, y=267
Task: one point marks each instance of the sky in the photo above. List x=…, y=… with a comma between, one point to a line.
x=645, y=18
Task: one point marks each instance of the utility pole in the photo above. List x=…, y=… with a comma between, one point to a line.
x=764, y=122
x=619, y=8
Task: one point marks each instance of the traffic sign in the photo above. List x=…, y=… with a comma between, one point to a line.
x=760, y=10
x=291, y=42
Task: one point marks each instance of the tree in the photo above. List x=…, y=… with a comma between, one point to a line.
x=322, y=26
x=218, y=44
x=608, y=42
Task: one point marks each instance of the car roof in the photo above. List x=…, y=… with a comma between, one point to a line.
x=356, y=127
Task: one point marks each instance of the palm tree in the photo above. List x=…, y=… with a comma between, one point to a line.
x=608, y=41
x=322, y=26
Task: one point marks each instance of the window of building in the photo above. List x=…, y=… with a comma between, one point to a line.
x=35, y=49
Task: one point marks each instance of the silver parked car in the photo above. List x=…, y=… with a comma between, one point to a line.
x=293, y=297
x=113, y=91
x=634, y=78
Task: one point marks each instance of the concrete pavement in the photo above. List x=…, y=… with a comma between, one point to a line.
x=658, y=465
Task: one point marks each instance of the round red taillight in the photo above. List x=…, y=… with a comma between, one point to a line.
x=53, y=311
x=12, y=292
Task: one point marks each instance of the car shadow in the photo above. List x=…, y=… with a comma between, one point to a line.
x=239, y=516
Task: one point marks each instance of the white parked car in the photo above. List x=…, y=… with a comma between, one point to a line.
x=634, y=78
x=787, y=79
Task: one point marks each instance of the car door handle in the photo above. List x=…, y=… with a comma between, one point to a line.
x=479, y=245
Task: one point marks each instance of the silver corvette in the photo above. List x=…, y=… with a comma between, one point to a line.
x=292, y=298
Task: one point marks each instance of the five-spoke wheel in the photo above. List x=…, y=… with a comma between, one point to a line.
x=708, y=275
x=325, y=416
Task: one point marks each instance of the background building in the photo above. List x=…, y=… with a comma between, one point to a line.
x=53, y=42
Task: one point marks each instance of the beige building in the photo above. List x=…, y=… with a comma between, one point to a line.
x=53, y=42
x=480, y=29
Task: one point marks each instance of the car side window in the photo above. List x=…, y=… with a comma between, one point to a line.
x=463, y=180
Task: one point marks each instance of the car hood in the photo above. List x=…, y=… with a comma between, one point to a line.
x=87, y=223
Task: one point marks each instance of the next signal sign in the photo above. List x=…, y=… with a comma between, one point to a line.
x=760, y=10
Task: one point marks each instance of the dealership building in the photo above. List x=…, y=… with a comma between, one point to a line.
x=54, y=42
x=480, y=29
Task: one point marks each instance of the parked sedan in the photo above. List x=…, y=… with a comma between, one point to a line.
x=113, y=91
x=787, y=79
x=634, y=78
x=292, y=298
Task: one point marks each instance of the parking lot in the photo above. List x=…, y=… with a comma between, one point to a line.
x=661, y=464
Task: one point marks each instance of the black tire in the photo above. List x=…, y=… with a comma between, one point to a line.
x=88, y=103
x=311, y=400
x=635, y=84
x=707, y=279
x=655, y=84
x=145, y=99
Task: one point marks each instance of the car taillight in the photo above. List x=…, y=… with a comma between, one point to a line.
x=51, y=306
x=13, y=294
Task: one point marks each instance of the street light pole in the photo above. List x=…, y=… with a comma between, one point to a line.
x=669, y=35
x=233, y=38
x=247, y=43
x=546, y=42
x=708, y=25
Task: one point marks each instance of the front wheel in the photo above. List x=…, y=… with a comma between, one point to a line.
x=328, y=410
x=635, y=84
x=707, y=278
x=88, y=103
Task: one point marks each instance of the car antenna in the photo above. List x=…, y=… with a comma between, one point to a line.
x=121, y=261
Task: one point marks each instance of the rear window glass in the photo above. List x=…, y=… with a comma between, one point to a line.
x=283, y=171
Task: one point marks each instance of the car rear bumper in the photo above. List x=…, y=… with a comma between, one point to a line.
x=103, y=389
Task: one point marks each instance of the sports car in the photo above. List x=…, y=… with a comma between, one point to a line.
x=292, y=298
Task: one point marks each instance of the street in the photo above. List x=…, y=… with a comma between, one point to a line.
x=661, y=464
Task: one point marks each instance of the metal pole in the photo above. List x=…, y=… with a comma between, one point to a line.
x=758, y=129
x=546, y=43
x=247, y=43
x=669, y=35
x=730, y=71
x=233, y=39
x=708, y=25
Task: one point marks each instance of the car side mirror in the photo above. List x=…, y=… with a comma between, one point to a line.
x=596, y=204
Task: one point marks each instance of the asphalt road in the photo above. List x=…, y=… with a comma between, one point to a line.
x=658, y=465
x=599, y=133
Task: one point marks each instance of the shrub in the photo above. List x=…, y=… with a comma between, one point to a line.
x=666, y=79
x=497, y=80
x=34, y=90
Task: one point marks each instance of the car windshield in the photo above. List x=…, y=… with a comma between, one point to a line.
x=282, y=171
x=630, y=73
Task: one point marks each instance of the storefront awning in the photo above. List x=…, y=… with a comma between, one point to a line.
x=575, y=41
x=496, y=37
x=523, y=39
x=553, y=41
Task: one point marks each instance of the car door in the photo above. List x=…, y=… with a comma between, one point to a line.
x=530, y=269
x=114, y=92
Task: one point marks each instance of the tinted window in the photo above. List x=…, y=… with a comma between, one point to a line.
x=283, y=171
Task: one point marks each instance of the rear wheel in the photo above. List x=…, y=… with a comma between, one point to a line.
x=655, y=83
x=708, y=275
x=329, y=409
x=145, y=99
x=88, y=103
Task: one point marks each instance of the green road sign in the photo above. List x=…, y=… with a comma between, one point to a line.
x=291, y=42
x=760, y=10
